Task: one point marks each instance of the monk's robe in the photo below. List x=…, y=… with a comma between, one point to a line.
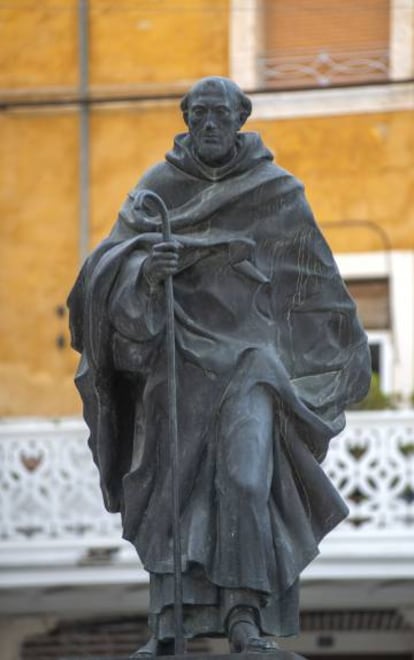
x=269, y=352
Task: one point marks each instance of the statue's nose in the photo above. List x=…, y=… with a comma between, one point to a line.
x=210, y=121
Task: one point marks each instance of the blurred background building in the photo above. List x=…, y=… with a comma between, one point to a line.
x=89, y=98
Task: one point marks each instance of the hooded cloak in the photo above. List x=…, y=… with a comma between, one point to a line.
x=262, y=319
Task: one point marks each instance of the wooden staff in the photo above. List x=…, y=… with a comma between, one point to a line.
x=142, y=197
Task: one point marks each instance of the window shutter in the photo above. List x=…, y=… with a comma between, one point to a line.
x=372, y=300
x=314, y=43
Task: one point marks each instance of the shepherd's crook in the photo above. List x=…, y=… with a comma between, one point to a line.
x=140, y=201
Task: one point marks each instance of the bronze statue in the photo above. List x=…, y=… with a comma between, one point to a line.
x=269, y=351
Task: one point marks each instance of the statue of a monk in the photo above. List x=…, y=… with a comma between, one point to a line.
x=269, y=352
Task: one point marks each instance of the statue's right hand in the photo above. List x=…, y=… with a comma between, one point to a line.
x=162, y=261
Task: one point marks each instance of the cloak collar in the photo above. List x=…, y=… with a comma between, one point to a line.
x=250, y=152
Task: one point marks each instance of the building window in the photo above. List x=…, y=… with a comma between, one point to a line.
x=372, y=297
x=319, y=43
x=373, y=300
x=380, y=344
x=382, y=285
x=304, y=47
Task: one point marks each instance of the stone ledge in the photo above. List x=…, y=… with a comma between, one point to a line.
x=276, y=655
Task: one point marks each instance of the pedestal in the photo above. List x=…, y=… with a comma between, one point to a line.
x=275, y=655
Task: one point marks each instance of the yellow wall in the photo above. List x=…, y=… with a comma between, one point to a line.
x=125, y=142
x=38, y=48
x=354, y=167
x=169, y=42
x=142, y=48
x=134, y=47
x=38, y=257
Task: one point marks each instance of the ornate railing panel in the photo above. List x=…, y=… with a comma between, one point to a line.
x=325, y=67
x=49, y=485
x=372, y=465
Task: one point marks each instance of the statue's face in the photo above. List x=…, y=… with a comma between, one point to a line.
x=213, y=121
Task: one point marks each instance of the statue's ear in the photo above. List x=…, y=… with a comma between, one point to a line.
x=245, y=109
x=243, y=117
x=184, y=108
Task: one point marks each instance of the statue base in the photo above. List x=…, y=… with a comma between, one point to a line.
x=275, y=655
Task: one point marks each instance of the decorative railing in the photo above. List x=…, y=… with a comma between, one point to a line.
x=372, y=465
x=49, y=485
x=323, y=68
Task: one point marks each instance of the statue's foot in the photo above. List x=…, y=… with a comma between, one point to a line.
x=154, y=647
x=146, y=651
x=260, y=645
x=244, y=634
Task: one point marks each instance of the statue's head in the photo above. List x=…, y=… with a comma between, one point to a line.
x=214, y=110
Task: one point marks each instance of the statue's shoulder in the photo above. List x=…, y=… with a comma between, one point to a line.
x=154, y=173
x=281, y=183
x=284, y=181
x=158, y=176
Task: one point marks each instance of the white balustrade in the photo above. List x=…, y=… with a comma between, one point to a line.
x=49, y=486
x=372, y=465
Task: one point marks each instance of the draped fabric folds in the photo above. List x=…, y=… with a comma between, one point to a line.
x=269, y=353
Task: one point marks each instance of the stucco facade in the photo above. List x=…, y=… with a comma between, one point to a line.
x=356, y=167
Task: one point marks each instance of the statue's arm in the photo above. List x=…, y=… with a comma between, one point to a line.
x=136, y=306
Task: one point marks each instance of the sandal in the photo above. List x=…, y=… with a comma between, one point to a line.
x=153, y=648
x=244, y=634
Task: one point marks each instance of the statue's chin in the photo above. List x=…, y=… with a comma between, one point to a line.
x=214, y=157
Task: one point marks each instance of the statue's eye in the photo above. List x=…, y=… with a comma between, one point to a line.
x=197, y=111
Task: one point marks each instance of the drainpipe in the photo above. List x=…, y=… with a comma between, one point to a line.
x=84, y=201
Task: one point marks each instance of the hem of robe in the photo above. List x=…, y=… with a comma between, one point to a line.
x=206, y=607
